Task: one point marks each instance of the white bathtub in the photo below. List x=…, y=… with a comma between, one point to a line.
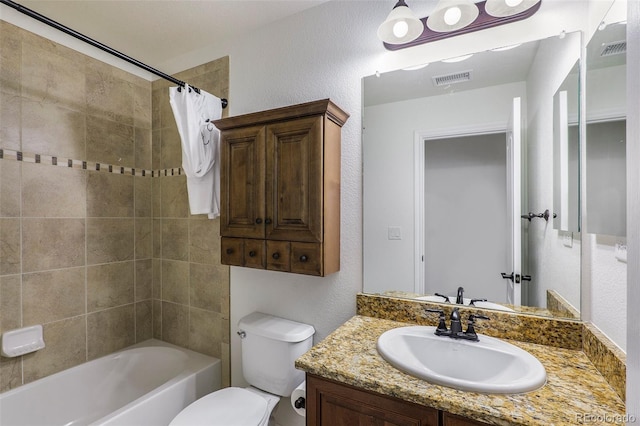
x=145, y=384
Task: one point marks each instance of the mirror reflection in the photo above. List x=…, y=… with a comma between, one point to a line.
x=455, y=154
x=606, y=131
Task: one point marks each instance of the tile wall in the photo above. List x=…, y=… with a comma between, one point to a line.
x=92, y=238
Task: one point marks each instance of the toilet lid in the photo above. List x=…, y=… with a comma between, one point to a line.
x=226, y=407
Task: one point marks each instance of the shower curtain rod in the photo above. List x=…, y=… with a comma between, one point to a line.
x=35, y=15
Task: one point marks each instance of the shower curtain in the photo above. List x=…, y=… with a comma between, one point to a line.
x=200, y=140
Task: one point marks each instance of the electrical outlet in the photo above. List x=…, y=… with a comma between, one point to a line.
x=394, y=233
x=620, y=252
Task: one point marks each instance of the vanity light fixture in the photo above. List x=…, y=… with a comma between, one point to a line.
x=452, y=18
x=452, y=15
x=401, y=25
x=504, y=8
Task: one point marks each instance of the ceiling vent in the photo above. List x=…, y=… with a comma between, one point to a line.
x=458, y=77
x=614, y=48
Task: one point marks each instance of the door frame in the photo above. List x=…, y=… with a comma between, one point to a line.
x=420, y=137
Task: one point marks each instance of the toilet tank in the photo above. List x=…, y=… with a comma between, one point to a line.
x=270, y=346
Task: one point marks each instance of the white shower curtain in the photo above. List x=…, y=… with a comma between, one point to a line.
x=200, y=139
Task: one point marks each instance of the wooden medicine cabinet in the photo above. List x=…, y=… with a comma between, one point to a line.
x=280, y=188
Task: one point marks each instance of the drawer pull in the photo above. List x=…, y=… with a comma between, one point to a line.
x=303, y=258
x=252, y=253
x=229, y=250
x=276, y=255
x=267, y=221
x=258, y=221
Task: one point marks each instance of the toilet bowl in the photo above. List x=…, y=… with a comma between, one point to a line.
x=270, y=346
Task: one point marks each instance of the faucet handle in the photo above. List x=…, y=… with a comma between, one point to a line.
x=473, y=301
x=471, y=331
x=446, y=298
x=442, y=326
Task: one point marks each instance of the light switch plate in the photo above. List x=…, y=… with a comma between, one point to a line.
x=394, y=233
x=567, y=239
x=620, y=252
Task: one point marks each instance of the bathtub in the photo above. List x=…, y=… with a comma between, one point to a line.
x=145, y=384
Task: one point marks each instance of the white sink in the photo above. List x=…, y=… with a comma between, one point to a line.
x=466, y=302
x=488, y=366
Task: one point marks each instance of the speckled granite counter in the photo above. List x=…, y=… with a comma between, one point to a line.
x=575, y=392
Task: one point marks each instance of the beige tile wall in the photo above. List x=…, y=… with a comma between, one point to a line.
x=190, y=286
x=85, y=252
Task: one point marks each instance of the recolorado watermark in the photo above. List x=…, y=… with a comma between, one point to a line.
x=616, y=419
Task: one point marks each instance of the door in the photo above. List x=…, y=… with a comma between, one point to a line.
x=514, y=201
x=242, y=180
x=294, y=180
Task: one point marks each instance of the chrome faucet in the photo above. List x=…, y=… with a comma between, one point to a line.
x=459, y=297
x=455, y=332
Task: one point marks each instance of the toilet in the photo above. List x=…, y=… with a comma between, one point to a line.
x=270, y=346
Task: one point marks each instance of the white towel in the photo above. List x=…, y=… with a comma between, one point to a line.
x=200, y=139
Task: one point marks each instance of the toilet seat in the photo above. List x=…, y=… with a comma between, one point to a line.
x=226, y=407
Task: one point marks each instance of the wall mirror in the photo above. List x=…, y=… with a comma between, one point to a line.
x=606, y=130
x=457, y=176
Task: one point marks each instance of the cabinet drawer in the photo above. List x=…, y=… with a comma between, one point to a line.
x=232, y=251
x=254, y=254
x=279, y=256
x=306, y=258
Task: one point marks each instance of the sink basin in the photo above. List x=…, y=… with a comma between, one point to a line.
x=488, y=366
x=481, y=305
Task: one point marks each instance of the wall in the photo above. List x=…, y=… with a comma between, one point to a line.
x=550, y=259
x=190, y=286
x=75, y=243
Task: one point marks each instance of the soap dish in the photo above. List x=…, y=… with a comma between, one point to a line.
x=22, y=341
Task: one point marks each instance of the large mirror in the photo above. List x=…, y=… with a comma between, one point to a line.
x=606, y=129
x=458, y=182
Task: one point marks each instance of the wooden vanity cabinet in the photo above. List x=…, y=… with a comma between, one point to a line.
x=280, y=188
x=335, y=404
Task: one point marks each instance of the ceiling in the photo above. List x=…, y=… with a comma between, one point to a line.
x=156, y=31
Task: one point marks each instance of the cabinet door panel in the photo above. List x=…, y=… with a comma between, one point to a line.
x=294, y=180
x=242, y=177
x=334, y=404
x=279, y=255
x=254, y=254
x=306, y=258
x=449, y=419
x=232, y=251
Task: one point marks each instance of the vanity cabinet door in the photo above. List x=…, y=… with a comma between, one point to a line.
x=242, y=183
x=453, y=420
x=294, y=180
x=334, y=404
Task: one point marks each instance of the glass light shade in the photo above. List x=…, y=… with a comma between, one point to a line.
x=504, y=8
x=401, y=26
x=452, y=15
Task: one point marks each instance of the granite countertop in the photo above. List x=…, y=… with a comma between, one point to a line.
x=575, y=392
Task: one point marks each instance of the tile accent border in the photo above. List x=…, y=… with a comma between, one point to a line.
x=9, y=154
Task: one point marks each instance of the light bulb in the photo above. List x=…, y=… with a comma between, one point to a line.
x=400, y=29
x=513, y=3
x=452, y=15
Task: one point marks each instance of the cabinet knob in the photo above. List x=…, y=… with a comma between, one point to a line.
x=229, y=250
x=267, y=221
x=276, y=255
x=303, y=258
x=252, y=253
x=258, y=221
